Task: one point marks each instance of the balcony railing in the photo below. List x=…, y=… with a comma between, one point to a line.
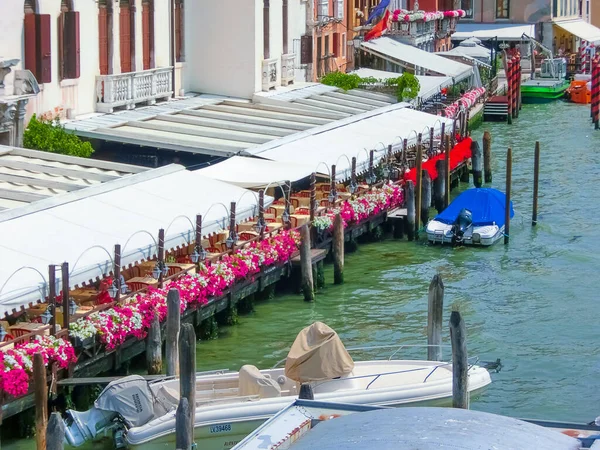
x=269, y=74
x=130, y=89
x=287, y=69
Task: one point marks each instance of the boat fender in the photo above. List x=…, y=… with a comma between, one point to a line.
x=281, y=379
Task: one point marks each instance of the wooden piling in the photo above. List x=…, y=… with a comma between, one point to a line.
x=425, y=196
x=306, y=283
x=65, y=295
x=313, y=196
x=418, y=185
x=434, y=318
x=117, y=270
x=439, y=186
x=52, y=297
x=183, y=434
x=154, y=348
x=507, y=205
x=338, y=249
x=40, y=390
x=171, y=341
x=477, y=163
x=55, y=433
x=448, y=170
x=187, y=372
x=161, y=256
x=536, y=183
x=460, y=363
x=409, y=195
x=487, y=157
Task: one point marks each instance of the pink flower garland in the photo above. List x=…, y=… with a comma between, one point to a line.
x=402, y=15
x=467, y=100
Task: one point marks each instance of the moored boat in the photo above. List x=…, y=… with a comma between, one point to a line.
x=475, y=217
x=231, y=405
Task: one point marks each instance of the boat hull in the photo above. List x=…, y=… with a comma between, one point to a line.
x=441, y=233
x=538, y=94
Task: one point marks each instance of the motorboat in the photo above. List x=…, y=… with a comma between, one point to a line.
x=306, y=425
x=475, y=217
x=230, y=405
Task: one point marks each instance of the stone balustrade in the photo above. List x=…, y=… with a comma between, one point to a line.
x=132, y=88
x=269, y=73
x=287, y=69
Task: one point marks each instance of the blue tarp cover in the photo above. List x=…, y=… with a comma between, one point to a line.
x=487, y=206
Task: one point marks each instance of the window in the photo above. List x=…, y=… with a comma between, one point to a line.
x=105, y=36
x=37, y=49
x=179, y=36
x=336, y=44
x=502, y=9
x=326, y=46
x=126, y=41
x=148, y=34
x=339, y=9
x=467, y=6
x=323, y=9
x=68, y=41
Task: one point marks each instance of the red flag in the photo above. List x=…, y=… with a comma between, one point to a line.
x=378, y=29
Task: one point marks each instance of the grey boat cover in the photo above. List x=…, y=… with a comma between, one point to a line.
x=432, y=428
x=130, y=397
x=317, y=354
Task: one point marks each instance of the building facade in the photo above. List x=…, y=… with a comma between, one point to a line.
x=330, y=37
x=91, y=56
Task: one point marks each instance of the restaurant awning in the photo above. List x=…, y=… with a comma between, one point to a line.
x=256, y=173
x=354, y=137
x=581, y=29
x=82, y=227
x=415, y=58
x=504, y=32
x=429, y=86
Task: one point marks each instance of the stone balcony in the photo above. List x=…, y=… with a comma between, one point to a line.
x=130, y=89
x=288, y=70
x=269, y=74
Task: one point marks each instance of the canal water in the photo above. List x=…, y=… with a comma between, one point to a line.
x=533, y=303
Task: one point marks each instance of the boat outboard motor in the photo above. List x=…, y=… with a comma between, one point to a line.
x=128, y=401
x=462, y=223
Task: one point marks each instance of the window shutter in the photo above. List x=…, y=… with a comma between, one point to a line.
x=125, y=38
x=306, y=49
x=103, y=40
x=336, y=44
x=31, y=48
x=178, y=19
x=146, y=35
x=44, y=41
x=72, y=45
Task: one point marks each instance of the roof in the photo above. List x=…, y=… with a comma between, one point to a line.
x=404, y=55
x=82, y=227
x=429, y=85
x=339, y=142
x=27, y=176
x=502, y=31
x=473, y=51
x=581, y=29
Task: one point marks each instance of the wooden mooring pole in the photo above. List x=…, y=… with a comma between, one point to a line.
x=55, y=433
x=425, y=196
x=418, y=185
x=507, y=205
x=536, y=184
x=161, y=256
x=172, y=342
x=439, y=186
x=183, y=433
x=448, y=170
x=65, y=295
x=487, y=157
x=460, y=363
x=40, y=390
x=184, y=428
x=154, y=348
x=52, y=297
x=435, y=312
x=338, y=249
x=477, y=164
x=306, y=283
x=409, y=195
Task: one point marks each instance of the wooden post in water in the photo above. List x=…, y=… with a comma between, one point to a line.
x=431, y=136
x=439, y=186
x=448, y=171
x=198, y=243
x=172, y=342
x=409, y=195
x=65, y=295
x=183, y=433
x=52, y=297
x=425, y=196
x=460, y=363
x=418, y=185
x=261, y=213
x=536, y=183
x=507, y=205
x=487, y=157
x=187, y=373
x=477, y=163
x=55, y=433
x=40, y=390
x=306, y=283
x=313, y=196
x=154, y=348
x=434, y=318
x=338, y=249
x=161, y=256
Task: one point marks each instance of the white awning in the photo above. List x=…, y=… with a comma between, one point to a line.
x=473, y=51
x=355, y=137
x=581, y=29
x=504, y=32
x=429, y=86
x=414, y=57
x=254, y=173
x=84, y=228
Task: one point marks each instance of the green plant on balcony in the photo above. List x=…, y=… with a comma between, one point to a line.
x=47, y=134
x=406, y=85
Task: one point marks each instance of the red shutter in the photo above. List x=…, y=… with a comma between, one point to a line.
x=125, y=38
x=178, y=19
x=336, y=44
x=146, y=35
x=31, y=48
x=306, y=49
x=44, y=42
x=72, y=52
x=103, y=40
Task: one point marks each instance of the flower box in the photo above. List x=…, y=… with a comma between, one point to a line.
x=79, y=343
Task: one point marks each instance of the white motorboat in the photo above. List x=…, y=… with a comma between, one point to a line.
x=475, y=217
x=231, y=405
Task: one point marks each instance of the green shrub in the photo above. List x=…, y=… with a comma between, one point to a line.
x=345, y=81
x=407, y=85
x=50, y=136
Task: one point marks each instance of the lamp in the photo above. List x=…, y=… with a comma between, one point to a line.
x=2, y=333
x=156, y=272
x=198, y=255
x=332, y=196
x=356, y=41
x=46, y=316
x=386, y=172
x=124, y=287
x=285, y=216
x=165, y=270
x=72, y=306
x=260, y=226
x=353, y=186
x=231, y=239
x=112, y=291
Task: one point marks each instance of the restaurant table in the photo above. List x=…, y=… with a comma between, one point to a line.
x=83, y=295
x=137, y=283
x=301, y=219
x=23, y=328
x=181, y=266
x=303, y=202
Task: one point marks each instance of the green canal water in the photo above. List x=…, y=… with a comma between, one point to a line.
x=534, y=303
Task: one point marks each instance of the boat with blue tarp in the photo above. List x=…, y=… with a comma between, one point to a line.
x=475, y=217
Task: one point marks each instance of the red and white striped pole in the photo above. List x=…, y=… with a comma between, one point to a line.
x=596, y=95
x=583, y=56
x=509, y=82
x=515, y=74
